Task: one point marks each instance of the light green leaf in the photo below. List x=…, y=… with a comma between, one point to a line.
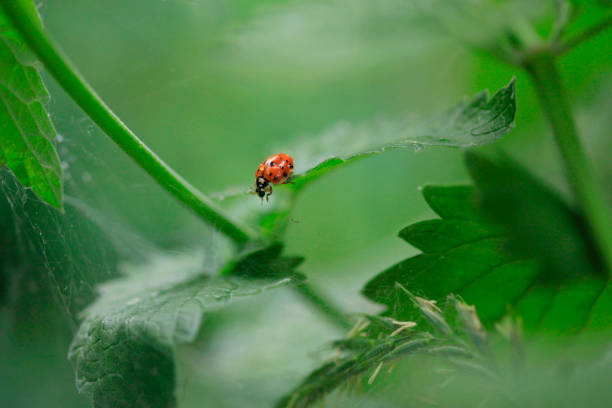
x=474, y=122
x=486, y=24
x=510, y=241
x=377, y=341
x=123, y=351
x=26, y=131
x=335, y=373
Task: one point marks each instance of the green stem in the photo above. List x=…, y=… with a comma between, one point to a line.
x=324, y=305
x=563, y=12
x=24, y=17
x=545, y=76
x=585, y=35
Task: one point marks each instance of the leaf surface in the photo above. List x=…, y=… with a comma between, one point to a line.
x=123, y=351
x=376, y=341
x=26, y=130
x=474, y=122
x=507, y=242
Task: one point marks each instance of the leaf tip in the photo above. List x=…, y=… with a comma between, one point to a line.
x=512, y=87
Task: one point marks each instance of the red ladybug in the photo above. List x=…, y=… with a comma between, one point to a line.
x=276, y=169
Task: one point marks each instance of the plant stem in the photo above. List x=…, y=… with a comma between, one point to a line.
x=563, y=10
x=317, y=300
x=24, y=17
x=585, y=35
x=545, y=76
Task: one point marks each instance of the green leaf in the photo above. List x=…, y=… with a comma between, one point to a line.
x=376, y=341
x=474, y=122
x=509, y=241
x=333, y=374
x=462, y=254
x=26, y=131
x=123, y=351
x=264, y=262
x=541, y=225
x=50, y=260
x=538, y=222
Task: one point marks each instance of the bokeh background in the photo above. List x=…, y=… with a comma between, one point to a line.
x=216, y=86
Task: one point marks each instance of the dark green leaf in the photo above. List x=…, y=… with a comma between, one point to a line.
x=539, y=223
x=508, y=241
x=26, y=131
x=473, y=122
x=462, y=254
x=265, y=262
x=49, y=261
x=123, y=352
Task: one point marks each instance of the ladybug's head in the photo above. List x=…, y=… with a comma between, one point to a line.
x=261, y=186
x=261, y=183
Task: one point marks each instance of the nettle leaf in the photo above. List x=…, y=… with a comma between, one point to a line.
x=507, y=242
x=335, y=373
x=571, y=291
x=514, y=199
x=377, y=341
x=474, y=122
x=123, y=352
x=50, y=261
x=26, y=131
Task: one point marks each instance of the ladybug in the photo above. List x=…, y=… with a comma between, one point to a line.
x=275, y=169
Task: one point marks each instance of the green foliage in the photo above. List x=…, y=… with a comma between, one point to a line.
x=266, y=262
x=123, y=352
x=502, y=189
x=509, y=244
x=26, y=131
x=462, y=253
x=378, y=341
x=470, y=366
x=335, y=373
x=496, y=249
x=474, y=122
x=50, y=262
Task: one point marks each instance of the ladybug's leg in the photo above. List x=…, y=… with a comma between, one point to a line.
x=268, y=191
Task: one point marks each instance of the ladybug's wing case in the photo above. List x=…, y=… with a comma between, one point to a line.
x=260, y=170
x=275, y=158
x=286, y=162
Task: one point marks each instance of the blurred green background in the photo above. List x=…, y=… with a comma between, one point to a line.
x=214, y=87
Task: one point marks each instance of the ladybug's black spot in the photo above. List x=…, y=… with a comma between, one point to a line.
x=285, y=174
x=275, y=177
x=291, y=166
x=272, y=164
x=282, y=167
